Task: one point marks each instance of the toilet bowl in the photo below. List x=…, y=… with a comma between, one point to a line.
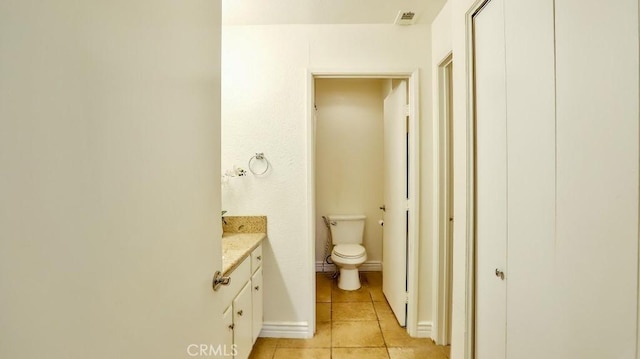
x=348, y=253
x=348, y=257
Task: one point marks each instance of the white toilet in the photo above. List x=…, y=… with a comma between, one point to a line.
x=348, y=253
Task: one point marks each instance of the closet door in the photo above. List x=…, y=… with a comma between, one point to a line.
x=530, y=83
x=597, y=202
x=491, y=181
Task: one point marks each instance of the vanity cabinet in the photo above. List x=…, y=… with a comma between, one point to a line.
x=243, y=300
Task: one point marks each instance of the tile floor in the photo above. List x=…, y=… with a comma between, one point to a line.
x=351, y=325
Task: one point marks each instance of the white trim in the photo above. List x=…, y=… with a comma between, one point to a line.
x=413, y=249
x=295, y=330
x=368, y=266
x=469, y=340
x=311, y=198
x=414, y=178
x=441, y=281
x=425, y=329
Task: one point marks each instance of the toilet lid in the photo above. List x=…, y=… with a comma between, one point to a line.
x=349, y=250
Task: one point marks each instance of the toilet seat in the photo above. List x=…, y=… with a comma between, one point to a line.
x=349, y=251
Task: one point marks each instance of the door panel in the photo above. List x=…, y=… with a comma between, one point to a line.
x=394, y=238
x=491, y=181
x=597, y=182
x=531, y=176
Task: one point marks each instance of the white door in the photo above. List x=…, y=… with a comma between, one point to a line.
x=394, y=237
x=491, y=181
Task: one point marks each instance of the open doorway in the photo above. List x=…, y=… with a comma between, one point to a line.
x=340, y=200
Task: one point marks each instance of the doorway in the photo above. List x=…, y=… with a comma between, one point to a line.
x=407, y=293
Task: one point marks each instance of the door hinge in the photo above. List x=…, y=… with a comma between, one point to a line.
x=407, y=110
x=406, y=297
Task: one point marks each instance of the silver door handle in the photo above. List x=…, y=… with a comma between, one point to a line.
x=219, y=280
x=499, y=274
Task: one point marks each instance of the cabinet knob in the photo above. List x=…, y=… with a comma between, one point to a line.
x=259, y=258
x=240, y=312
x=499, y=274
x=256, y=287
x=231, y=326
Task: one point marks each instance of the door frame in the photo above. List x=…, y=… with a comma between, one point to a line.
x=470, y=182
x=443, y=204
x=413, y=79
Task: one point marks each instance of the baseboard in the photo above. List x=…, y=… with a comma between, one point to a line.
x=369, y=266
x=294, y=330
x=425, y=330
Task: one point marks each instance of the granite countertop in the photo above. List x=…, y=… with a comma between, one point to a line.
x=238, y=246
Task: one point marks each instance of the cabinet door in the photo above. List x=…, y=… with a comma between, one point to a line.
x=256, y=259
x=227, y=339
x=256, y=298
x=242, y=337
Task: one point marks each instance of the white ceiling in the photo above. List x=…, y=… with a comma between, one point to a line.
x=272, y=12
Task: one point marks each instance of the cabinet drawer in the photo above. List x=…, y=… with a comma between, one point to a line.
x=256, y=259
x=239, y=278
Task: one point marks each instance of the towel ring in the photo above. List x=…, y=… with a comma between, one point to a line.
x=258, y=156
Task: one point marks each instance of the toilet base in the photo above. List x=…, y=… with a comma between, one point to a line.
x=349, y=279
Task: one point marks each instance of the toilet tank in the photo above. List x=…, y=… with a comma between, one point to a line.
x=346, y=229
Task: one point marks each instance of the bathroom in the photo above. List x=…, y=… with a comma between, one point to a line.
x=267, y=107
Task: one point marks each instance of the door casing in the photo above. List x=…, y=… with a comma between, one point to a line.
x=412, y=76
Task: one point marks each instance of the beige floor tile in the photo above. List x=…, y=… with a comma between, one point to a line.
x=322, y=339
x=356, y=334
x=263, y=349
x=383, y=311
x=324, y=278
x=267, y=342
x=306, y=353
x=376, y=294
x=433, y=352
x=323, y=312
x=359, y=353
x=396, y=336
x=350, y=296
x=374, y=279
x=353, y=311
x=323, y=289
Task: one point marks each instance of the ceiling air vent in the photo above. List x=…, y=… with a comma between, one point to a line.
x=405, y=18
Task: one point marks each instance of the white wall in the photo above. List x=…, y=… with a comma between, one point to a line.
x=349, y=157
x=592, y=130
x=265, y=80
x=109, y=178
